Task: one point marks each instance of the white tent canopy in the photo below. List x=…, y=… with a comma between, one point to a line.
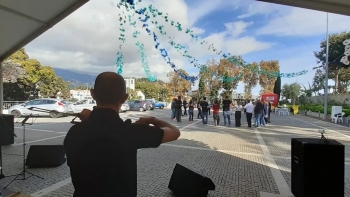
x=332, y=6
x=21, y=21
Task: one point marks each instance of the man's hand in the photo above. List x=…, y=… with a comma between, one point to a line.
x=84, y=115
x=147, y=120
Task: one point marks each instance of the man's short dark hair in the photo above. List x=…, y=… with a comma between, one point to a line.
x=179, y=97
x=109, y=88
x=226, y=97
x=204, y=98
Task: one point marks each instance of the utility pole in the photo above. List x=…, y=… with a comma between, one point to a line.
x=326, y=76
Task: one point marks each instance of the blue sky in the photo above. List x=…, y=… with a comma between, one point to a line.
x=256, y=30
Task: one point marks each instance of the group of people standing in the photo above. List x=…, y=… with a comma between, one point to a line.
x=260, y=109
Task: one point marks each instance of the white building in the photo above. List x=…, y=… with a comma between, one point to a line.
x=80, y=94
x=236, y=95
x=130, y=83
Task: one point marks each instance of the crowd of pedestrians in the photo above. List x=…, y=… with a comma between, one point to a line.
x=258, y=110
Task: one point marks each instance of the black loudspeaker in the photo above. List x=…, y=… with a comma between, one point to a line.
x=7, y=127
x=41, y=156
x=186, y=183
x=317, y=168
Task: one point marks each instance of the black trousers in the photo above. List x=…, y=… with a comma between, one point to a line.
x=199, y=113
x=185, y=111
x=178, y=113
x=249, y=119
x=238, y=115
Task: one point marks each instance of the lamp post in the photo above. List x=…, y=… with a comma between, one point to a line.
x=326, y=76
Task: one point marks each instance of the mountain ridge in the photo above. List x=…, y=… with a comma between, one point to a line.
x=75, y=78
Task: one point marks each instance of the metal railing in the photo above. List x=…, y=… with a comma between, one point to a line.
x=8, y=104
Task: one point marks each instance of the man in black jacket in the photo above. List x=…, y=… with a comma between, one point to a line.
x=204, y=105
x=178, y=111
x=102, y=150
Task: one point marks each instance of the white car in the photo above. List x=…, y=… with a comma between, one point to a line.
x=90, y=104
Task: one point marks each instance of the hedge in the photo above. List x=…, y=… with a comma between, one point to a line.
x=320, y=108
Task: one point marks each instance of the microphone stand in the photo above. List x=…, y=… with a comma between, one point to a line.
x=24, y=171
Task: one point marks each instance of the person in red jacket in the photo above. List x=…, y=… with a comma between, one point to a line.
x=216, y=108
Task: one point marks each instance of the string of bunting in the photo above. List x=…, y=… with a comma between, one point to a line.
x=144, y=62
x=129, y=5
x=165, y=53
x=155, y=13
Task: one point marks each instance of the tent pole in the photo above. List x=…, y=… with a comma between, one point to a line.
x=1, y=89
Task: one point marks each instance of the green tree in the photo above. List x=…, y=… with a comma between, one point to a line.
x=291, y=91
x=12, y=71
x=201, y=89
x=318, y=82
x=179, y=84
x=132, y=94
x=336, y=52
x=164, y=93
x=226, y=84
x=147, y=87
x=267, y=78
x=38, y=79
x=277, y=88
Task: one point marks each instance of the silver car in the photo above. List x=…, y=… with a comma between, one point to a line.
x=139, y=105
x=90, y=104
x=54, y=105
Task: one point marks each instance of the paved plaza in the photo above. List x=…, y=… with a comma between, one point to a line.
x=242, y=161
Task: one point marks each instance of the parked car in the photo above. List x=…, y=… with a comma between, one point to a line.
x=54, y=105
x=125, y=107
x=90, y=104
x=151, y=103
x=139, y=105
x=77, y=107
x=159, y=105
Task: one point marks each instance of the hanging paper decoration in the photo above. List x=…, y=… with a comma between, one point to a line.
x=345, y=58
x=145, y=62
x=163, y=51
x=146, y=13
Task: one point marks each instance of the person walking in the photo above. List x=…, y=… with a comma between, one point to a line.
x=258, y=111
x=185, y=107
x=238, y=114
x=204, y=105
x=178, y=111
x=173, y=108
x=269, y=110
x=249, y=108
x=190, y=111
x=199, y=116
x=216, y=115
x=265, y=112
x=226, y=110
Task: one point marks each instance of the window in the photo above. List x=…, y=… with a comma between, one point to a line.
x=131, y=81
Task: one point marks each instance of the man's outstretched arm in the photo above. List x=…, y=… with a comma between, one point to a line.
x=171, y=132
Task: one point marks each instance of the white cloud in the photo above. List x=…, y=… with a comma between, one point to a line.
x=237, y=28
x=87, y=40
x=257, y=8
x=304, y=22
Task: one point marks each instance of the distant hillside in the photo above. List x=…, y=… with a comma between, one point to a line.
x=75, y=78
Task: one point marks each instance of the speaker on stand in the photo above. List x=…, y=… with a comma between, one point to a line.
x=317, y=167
